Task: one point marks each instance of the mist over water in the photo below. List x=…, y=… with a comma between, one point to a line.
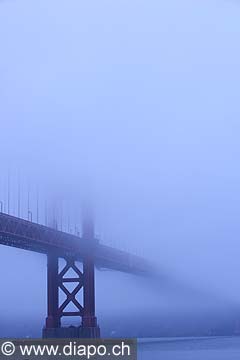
x=134, y=105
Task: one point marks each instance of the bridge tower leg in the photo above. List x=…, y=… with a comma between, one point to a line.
x=52, y=320
x=89, y=321
x=90, y=328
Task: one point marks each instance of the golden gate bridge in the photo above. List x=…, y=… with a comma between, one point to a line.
x=82, y=254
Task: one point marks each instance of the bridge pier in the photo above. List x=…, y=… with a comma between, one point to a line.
x=88, y=327
x=85, y=279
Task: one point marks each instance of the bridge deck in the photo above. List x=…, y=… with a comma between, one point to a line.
x=31, y=236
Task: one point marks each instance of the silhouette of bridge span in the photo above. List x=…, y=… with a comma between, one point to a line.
x=88, y=250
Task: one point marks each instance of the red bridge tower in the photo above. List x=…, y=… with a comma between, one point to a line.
x=88, y=328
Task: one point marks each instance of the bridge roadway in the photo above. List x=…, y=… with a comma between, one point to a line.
x=23, y=234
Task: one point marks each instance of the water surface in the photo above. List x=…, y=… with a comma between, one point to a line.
x=208, y=348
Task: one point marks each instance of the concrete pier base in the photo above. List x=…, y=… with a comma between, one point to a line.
x=71, y=332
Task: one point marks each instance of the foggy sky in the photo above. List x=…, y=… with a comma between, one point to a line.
x=139, y=100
